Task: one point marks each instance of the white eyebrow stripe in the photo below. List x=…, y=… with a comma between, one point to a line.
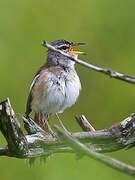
x=59, y=46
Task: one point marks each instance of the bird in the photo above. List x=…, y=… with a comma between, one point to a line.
x=56, y=85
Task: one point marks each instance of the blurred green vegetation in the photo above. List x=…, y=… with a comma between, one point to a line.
x=108, y=28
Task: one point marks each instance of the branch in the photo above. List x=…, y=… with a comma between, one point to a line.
x=121, y=135
x=81, y=148
x=108, y=72
x=38, y=143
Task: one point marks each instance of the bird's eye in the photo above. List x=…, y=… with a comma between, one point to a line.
x=63, y=47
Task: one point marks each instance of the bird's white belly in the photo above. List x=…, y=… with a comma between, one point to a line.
x=62, y=93
x=72, y=90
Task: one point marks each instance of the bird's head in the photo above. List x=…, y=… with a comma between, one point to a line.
x=65, y=46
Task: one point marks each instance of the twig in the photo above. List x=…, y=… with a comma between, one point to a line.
x=108, y=72
x=81, y=148
x=84, y=123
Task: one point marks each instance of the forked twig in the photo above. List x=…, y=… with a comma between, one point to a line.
x=84, y=123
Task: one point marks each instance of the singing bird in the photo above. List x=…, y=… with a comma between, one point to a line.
x=56, y=85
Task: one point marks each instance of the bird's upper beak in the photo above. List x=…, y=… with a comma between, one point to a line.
x=73, y=50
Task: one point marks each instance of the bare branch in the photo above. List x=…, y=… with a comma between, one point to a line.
x=37, y=143
x=81, y=148
x=121, y=135
x=108, y=72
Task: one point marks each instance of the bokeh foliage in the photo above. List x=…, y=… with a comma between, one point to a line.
x=108, y=28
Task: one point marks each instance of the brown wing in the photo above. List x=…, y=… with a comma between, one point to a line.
x=29, y=99
x=40, y=74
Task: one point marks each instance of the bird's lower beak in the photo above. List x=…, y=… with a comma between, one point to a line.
x=73, y=51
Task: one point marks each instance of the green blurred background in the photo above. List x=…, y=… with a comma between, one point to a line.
x=108, y=28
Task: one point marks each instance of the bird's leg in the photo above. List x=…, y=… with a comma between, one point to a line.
x=57, y=116
x=46, y=126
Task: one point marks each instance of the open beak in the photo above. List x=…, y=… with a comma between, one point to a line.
x=74, y=51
